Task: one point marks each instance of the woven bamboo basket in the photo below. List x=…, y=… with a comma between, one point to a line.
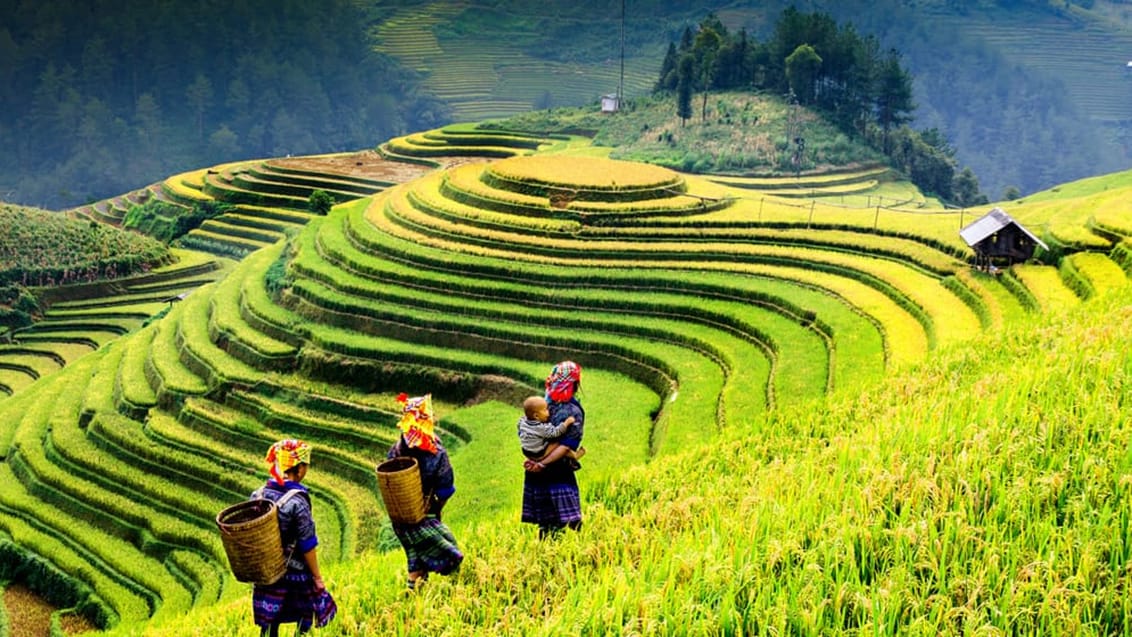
x=250, y=534
x=399, y=480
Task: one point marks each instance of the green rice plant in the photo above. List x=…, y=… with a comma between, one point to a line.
x=1095, y=274
x=102, y=390
x=201, y=488
x=199, y=353
x=349, y=434
x=169, y=377
x=132, y=387
x=427, y=194
x=205, y=579
x=237, y=441
x=275, y=226
x=1109, y=214
x=888, y=276
x=905, y=339
x=36, y=467
x=221, y=227
x=904, y=250
x=730, y=353
x=241, y=245
x=1122, y=255
x=854, y=354
x=259, y=310
x=1047, y=287
x=115, y=602
x=11, y=408
x=227, y=327
x=589, y=308
x=295, y=217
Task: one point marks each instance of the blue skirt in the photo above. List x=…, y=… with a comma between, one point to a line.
x=293, y=599
x=551, y=497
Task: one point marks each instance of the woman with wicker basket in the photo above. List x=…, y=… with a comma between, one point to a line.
x=551, y=498
x=300, y=596
x=429, y=545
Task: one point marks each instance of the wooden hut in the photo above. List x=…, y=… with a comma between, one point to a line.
x=997, y=238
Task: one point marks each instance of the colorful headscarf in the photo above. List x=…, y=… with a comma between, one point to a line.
x=562, y=380
x=285, y=455
x=418, y=422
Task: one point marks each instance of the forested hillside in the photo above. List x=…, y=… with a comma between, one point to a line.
x=1020, y=107
x=104, y=97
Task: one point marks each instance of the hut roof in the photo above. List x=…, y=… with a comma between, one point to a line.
x=990, y=223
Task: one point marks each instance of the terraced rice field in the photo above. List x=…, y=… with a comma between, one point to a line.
x=695, y=312
x=482, y=79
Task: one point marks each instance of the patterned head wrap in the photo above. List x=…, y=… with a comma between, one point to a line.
x=418, y=422
x=562, y=380
x=285, y=455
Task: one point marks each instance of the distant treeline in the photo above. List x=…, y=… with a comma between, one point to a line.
x=1016, y=127
x=104, y=96
x=865, y=91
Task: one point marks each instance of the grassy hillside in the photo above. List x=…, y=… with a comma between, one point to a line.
x=1030, y=94
x=733, y=337
x=734, y=133
x=980, y=492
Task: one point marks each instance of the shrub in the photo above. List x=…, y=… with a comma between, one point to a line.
x=320, y=202
x=166, y=222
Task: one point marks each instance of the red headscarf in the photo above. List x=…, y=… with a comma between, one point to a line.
x=563, y=379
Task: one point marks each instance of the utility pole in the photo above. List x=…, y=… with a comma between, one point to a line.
x=621, y=83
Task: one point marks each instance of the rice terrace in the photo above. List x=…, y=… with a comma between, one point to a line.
x=809, y=413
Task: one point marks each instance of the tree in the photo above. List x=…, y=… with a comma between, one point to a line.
x=147, y=121
x=802, y=68
x=705, y=48
x=199, y=95
x=320, y=202
x=686, y=40
x=685, y=79
x=893, y=101
x=967, y=189
x=223, y=142
x=666, y=80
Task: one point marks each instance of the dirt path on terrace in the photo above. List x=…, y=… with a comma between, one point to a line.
x=367, y=163
x=29, y=615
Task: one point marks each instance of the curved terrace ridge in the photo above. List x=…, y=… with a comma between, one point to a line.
x=586, y=178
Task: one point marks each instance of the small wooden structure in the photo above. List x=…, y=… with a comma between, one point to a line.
x=997, y=238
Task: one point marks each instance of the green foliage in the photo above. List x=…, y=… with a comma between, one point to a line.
x=739, y=137
x=95, y=121
x=38, y=248
x=167, y=222
x=320, y=202
x=275, y=278
x=823, y=520
x=18, y=306
x=966, y=189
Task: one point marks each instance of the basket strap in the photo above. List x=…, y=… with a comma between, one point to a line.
x=298, y=564
x=290, y=494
